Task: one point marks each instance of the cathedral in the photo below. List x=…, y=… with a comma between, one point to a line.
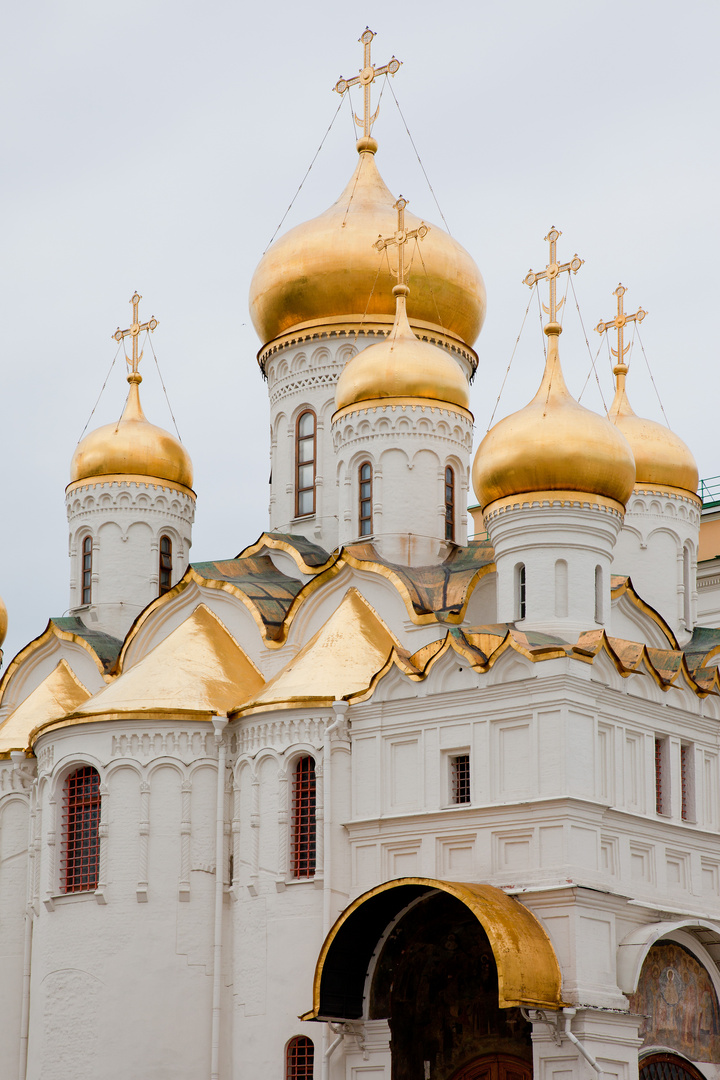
x=399, y=792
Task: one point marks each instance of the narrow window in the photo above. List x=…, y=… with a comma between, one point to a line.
x=460, y=778
x=520, y=591
x=366, y=499
x=561, y=589
x=305, y=465
x=686, y=783
x=449, y=504
x=662, y=795
x=303, y=819
x=165, y=569
x=300, y=1059
x=599, y=595
x=87, y=570
x=687, y=591
x=81, y=821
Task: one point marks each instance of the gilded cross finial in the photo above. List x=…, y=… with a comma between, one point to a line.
x=366, y=78
x=620, y=322
x=134, y=332
x=551, y=272
x=401, y=237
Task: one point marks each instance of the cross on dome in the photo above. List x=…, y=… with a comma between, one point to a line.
x=134, y=332
x=619, y=322
x=551, y=272
x=366, y=78
x=401, y=237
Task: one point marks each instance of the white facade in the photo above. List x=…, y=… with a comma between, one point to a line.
x=384, y=752
x=125, y=520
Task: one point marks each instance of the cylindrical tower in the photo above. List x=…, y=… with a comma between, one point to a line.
x=130, y=508
x=321, y=294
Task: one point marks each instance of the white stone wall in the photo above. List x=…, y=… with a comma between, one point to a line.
x=14, y=835
x=565, y=544
x=125, y=519
x=302, y=374
x=409, y=448
x=659, y=528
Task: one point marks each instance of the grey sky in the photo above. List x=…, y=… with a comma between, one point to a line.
x=156, y=145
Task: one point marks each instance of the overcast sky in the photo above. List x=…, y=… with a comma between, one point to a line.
x=155, y=145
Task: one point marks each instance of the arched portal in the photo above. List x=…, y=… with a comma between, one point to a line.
x=448, y=965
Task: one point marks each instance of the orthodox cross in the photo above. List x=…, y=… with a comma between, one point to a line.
x=551, y=272
x=135, y=330
x=401, y=237
x=365, y=79
x=619, y=322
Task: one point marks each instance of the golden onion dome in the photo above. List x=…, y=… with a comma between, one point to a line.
x=553, y=444
x=132, y=446
x=3, y=621
x=402, y=367
x=327, y=270
x=661, y=457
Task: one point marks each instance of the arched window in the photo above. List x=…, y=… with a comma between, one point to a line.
x=599, y=606
x=81, y=822
x=87, y=554
x=668, y=1067
x=300, y=1059
x=165, y=568
x=449, y=504
x=305, y=460
x=302, y=854
x=561, y=589
x=687, y=589
x=366, y=484
x=520, y=591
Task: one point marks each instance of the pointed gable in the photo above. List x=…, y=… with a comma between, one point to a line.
x=338, y=661
x=58, y=694
x=198, y=668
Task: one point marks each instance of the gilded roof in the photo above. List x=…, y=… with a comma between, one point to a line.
x=197, y=668
x=58, y=694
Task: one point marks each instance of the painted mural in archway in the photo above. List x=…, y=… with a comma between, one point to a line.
x=678, y=1003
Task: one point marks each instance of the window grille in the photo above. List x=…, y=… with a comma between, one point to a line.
x=460, y=778
x=87, y=552
x=521, y=588
x=449, y=504
x=303, y=819
x=685, y=782
x=81, y=821
x=165, y=568
x=668, y=1067
x=305, y=460
x=300, y=1059
x=366, y=499
x=659, y=776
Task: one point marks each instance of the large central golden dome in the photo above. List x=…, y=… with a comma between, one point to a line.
x=553, y=444
x=132, y=446
x=327, y=270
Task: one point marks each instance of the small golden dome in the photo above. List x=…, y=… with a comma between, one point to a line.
x=553, y=444
x=402, y=367
x=327, y=268
x=3, y=621
x=132, y=446
x=661, y=457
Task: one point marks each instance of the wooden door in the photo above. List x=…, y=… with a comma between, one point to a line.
x=495, y=1067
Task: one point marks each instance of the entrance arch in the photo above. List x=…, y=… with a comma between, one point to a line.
x=495, y=1067
x=528, y=972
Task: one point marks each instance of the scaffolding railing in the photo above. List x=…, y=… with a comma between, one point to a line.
x=709, y=491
